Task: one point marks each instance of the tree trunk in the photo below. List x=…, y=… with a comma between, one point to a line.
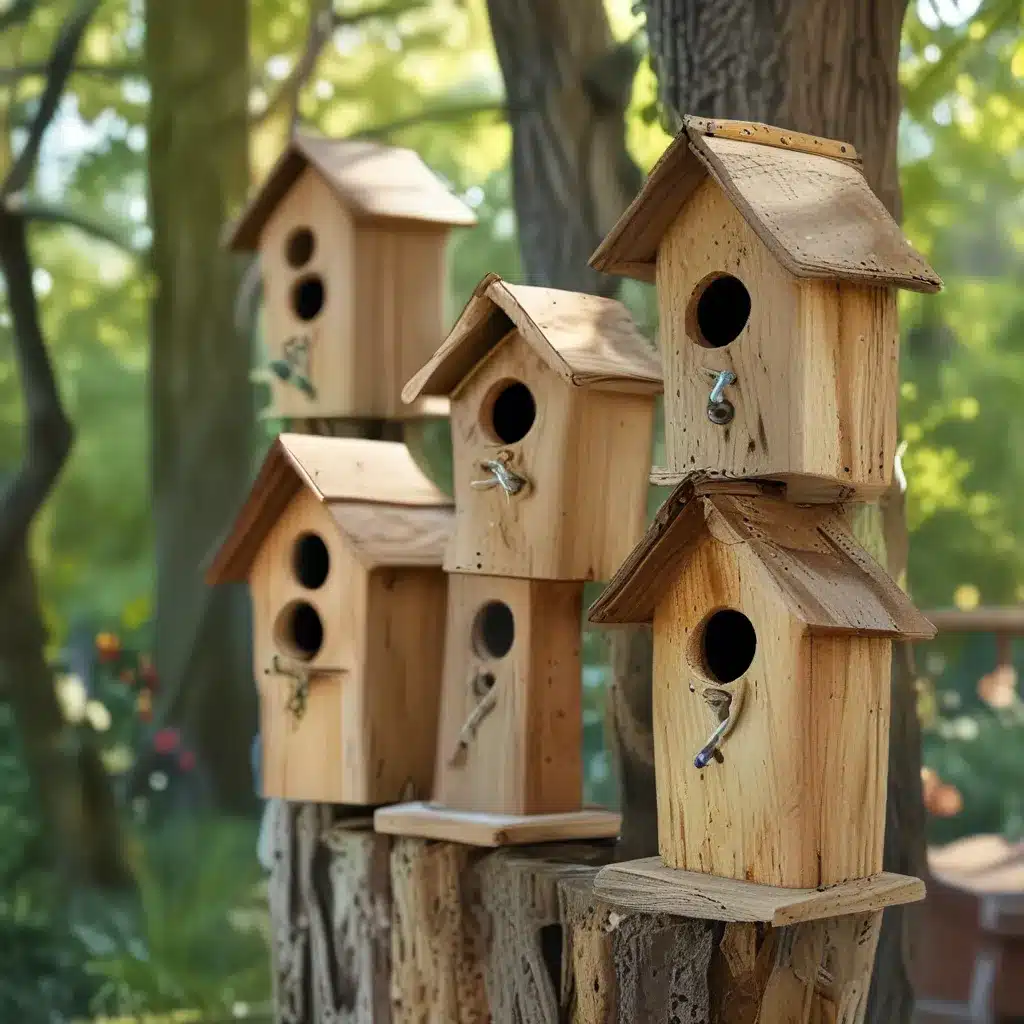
x=202, y=408
x=567, y=86
x=827, y=69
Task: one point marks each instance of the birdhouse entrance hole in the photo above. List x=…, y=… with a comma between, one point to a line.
x=308, y=297
x=509, y=411
x=299, y=631
x=727, y=645
x=311, y=560
x=719, y=310
x=299, y=247
x=494, y=630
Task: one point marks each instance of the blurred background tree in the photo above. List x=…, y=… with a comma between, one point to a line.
x=157, y=465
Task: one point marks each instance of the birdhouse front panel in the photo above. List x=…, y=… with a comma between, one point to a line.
x=511, y=728
x=771, y=743
x=550, y=478
x=307, y=260
x=309, y=613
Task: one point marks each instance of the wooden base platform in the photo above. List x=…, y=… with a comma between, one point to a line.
x=648, y=885
x=430, y=821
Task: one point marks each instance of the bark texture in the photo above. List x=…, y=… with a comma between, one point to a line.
x=330, y=908
x=197, y=55
x=567, y=85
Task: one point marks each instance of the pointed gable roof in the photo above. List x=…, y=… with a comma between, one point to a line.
x=805, y=197
x=372, y=180
x=807, y=554
x=587, y=340
x=388, y=510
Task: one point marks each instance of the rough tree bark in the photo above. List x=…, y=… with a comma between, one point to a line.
x=828, y=69
x=197, y=55
x=71, y=784
x=567, y=85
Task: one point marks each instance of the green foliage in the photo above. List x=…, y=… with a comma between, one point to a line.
x=203, y=944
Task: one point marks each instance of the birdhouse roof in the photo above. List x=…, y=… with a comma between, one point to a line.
x=383, y=504
x=807, y=554
x=805, y=197
x=587, y=340
x=372, y=180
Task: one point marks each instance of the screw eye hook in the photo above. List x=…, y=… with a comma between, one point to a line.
x=720, y=410
x=725, y=706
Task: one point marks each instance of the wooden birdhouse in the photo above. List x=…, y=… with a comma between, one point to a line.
x=552, y=398
x=510, y=738
x=773, y=631
x=776, y=268
x=341, y=542
x=351, y=239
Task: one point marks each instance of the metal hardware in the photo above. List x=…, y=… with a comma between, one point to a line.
x=720, y=410
x=725, y=706
x=501, y=476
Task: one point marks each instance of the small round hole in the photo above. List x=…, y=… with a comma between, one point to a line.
x=298, y=249
x=509, y=411
x=299, y=631
x=311, y=560
x=728, y=642
x=719, y=310
x=308, y=297
x=494, y=630
x=483, y=683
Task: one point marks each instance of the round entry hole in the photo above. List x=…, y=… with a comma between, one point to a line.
x=728, y=642
x=494, y=630
x=308, y=297
x=299, y=248
x=719, y=310
x=300, y=631
x=311, y=560
x=510, y=411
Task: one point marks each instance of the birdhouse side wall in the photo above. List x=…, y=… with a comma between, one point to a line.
x=709, y=239
x=522, y=534
x=607, y=481
x=402, y=673
x=510, y=735
x=311, y=756
x=401, y=282
x=794, y=800
x=849, y=382
x=308, y=301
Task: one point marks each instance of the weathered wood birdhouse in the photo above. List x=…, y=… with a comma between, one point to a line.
x=351, y=238
x=510, y=738
x=772, y=639
x=341, y=542
x=552, y=409
x=776, y=269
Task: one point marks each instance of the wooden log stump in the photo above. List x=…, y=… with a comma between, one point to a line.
x=624, y=965
x=330, y=907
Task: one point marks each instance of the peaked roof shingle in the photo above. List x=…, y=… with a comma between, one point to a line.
x=809, y=557
x=805, y=198
x=373, y=180
x=587, y=340
x=390, y=512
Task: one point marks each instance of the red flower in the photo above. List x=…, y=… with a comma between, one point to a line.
x=166, y=741
x=186, y=760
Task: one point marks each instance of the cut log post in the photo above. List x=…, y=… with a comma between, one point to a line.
x=330, y=908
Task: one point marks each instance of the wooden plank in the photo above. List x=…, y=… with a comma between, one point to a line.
x=769, y=135
x=649, y=886
x=395, y=536
x=474, y=829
